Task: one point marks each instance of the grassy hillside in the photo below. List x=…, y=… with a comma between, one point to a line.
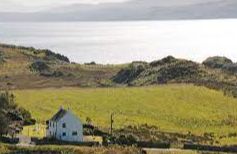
x=43, y=81
x=23, y=68
x=53, y=149
x=27, y=68
x=8, y=149
x=172, y=108
x=216, y=73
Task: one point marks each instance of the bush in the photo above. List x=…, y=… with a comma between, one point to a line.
x=52, y=56
x=26, y=115
x=91, y=63
x=216, y=62
x=2, y=60
x=126, y=140
x=39, y=66
x=153, y=145
x=52, y=74
x=130, y=73
x=181, y=70
x=232, y=68
x=166, y=60
x=57, y=74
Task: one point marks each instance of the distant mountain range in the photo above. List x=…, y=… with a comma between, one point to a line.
x=132, y=10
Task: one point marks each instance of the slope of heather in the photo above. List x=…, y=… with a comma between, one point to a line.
x=172, y=70
x=23, y=67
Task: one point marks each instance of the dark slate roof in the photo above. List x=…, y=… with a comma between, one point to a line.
x=58, y=115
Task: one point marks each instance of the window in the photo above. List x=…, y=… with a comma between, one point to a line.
x=74, y=133
x=64, y=125
x=64, y=134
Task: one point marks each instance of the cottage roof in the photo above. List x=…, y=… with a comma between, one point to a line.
x=59, y=115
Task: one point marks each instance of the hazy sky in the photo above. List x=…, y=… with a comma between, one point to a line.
x=36, y=5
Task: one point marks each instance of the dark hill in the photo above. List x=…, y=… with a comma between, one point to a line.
x=222, y=63
x=172, y=70
x=217, y=62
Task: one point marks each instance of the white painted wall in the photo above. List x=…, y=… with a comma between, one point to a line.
x=73, y=124
x=50, y=132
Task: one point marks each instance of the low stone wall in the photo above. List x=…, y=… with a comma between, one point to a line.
x=153, y=145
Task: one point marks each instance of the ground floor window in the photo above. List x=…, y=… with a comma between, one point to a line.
x=64, y=134
x=74, y=133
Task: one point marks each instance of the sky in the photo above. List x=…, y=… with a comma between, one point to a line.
x=41, y=5
x=38, y=5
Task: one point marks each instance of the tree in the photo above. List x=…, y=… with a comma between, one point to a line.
x=6, y=101
x=4, y=123
x=12, y=117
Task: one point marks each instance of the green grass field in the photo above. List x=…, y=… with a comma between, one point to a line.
x=11, y=149
x=7, y=149
x=174, y=108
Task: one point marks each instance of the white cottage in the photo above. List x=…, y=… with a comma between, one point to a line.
x=65, y=126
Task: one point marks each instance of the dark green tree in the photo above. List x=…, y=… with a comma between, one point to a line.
x=6, y=101
x=4, y=123
x=12, y=118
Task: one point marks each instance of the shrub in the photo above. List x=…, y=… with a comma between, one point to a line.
x=39, y=66
x=130, y=73
x=166, y=60
x=52, y=56
x=232, y=68
x=26, y=115
x=57, y=74
x=126, y=140
x=181, y=70
x=216, y=62
x=49, y=73
x=91, y=63
x=1, y=57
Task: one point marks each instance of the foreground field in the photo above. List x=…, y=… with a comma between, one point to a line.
x=178, y=151
x=52, y=149
x=173, y=108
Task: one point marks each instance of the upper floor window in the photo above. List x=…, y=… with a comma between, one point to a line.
x=64, y=134
x=64, y=125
